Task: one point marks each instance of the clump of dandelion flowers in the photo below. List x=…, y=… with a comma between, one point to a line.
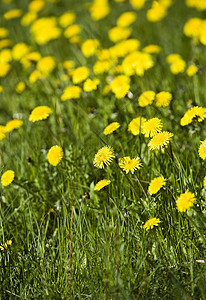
x=156, y=184
x=160, y=140
x=40, y=113
x=185, y=201
x=149, y=224
x=202, y=150
x=101, y=184
x=55, y=155
x=197, y=113
x=128, y=164
x=151, y=127
x=111, y=128
x=7, y=177
x=103, y=157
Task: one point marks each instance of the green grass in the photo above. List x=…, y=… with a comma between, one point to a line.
x=94, y=246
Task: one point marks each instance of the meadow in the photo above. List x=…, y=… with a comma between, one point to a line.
x=102, y=149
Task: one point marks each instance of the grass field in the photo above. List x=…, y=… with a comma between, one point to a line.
x=64, y=233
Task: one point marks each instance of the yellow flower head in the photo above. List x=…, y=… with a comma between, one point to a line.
x=5, y=56
x=28, y=18
x=34, y=76
x=185, y=201
x=46, y=65
x=196, y=113
x=152, y=49
x=40, y=113
x=71, y=92
x=20, y=87
x=101, y=184
x=3, y=32
x=163, y=99
x=103, y=157
x=137, y=63
x=80, y=74
x=111, y=128
x=90, y=85
x=202, y=150
x=36, y=5
x=13, y=14
x=192, y=70
x=20, y=50
x=55, y=155
x=117, y=34
x=89, y=47
x=178, y=66
x=156, y=184
x=128, y=164
x=72, y=30
x=2, y=132
x=136, y=125
x=151, y=127
x=67, y=19
x=126, y=19
x=120, y=85
x=13, y=124
x=7, y=177
x=4, y=69
x=99, y=9
x=137, y=4
x=160, y=140
x=146, y=98
x=151, y=223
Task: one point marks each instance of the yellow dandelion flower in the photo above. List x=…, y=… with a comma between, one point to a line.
x=91, y=85
x=104, y=156
x=128, y=164
x=40, y=113
x=13, y=124
x=2, y=132
x=46, y=65
x=160, y=140
x=34, y=76
x=99, y=9
x=178, y=66
x=13, y=14
x=67, y=19
x=146, y=98
x=156, y=184
x=20, y=87
x=151, y=127
x=172, y=58
x=126, y=19
x=136, y=125
x=55, y=155
x=5, y=43
x=71, y=92
x=202, y=150
x=36, y=5
x=149, y=224
x=80, y=74
x=4, y=69
x=111, y=128
x=120, y=85
x=3, y=32
x=7, y=177
x=185, y=201
x=89, y=47
x=20, y=50
x=101, y=184
x=196, y=113
x=137, y=4
x=72, y=30
x=156, y=13
x=163, y=99
x=117, y=34
x=5, y=56
x=28, y=18
x=152, y=49
x=191, y=70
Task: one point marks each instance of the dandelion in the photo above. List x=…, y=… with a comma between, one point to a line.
x=36, y=5
x=191, y=70
x=55, y=155
x=104, y=156
x=185, y=201
x=71, y=92
x=46, y=65
x=152, y=127
x=5, y=245
x=4, y=69
x=20, y=50
x=152, y=49
x=89, y=47
x=13, y=124
x=128, y=164
x=35, y=75
x=80, y=74
x=146, y=98
x=149, y=224
x=163, y=99
x=111, y=128
x=101, y=184
x=160, y=140
x=197, y=113
x=40, y=113
x=90, y=85
x=136, y=125
x=72, y=30
x=156, y=184
x=120, y=86
x=7, y=177
x=20, y=87
x=13, y=14
x=126, y=19
x=67, y=19
x=117, y=34
x=3, y=32
x=2, y=132
x=202, y=150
